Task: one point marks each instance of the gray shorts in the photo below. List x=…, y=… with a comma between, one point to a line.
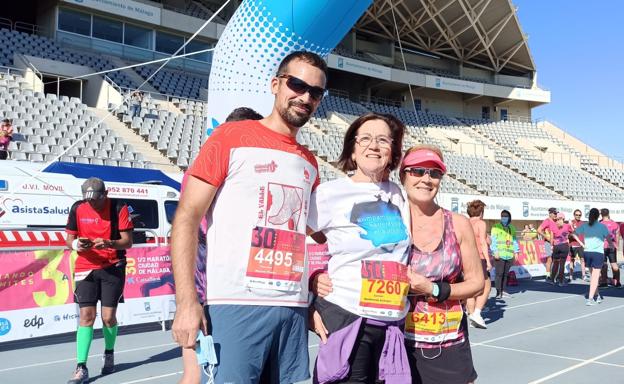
x=249, y=339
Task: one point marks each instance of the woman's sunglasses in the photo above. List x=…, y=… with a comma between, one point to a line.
x=300, y=87
x=420, y=172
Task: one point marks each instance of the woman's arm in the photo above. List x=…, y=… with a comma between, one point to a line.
x=473, y=274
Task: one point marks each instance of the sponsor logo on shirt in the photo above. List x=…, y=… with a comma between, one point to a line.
x=89, y=220
x=266, y=168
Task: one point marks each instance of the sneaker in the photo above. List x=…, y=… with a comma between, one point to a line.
x=80, y=376
x=599, y=299
x=563, y=283
x=477, y=321
x=109, y=363
x=506, y=295
x=603, y=285
x=589, y=302
x=550, y=281
x=586, y=278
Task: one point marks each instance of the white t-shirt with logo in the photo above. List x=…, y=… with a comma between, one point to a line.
x=368, y=237
x=257, y=221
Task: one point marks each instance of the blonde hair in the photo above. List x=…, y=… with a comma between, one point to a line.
x=433, y=148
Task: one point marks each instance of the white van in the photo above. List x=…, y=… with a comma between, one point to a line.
x=34, y=206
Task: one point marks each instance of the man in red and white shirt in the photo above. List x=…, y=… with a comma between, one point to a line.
x=100, y=231
x=254, y=182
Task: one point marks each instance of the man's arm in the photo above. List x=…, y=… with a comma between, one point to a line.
x=194, y=203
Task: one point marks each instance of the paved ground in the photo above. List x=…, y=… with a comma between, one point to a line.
x=543, y=334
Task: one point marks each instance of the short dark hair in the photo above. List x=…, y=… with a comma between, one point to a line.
x=243, y=113
x=309, y=57
x=604, y=212
x=397, y=129
x=475, y=208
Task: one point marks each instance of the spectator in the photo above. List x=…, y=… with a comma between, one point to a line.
x=6, y=135
x=135, y=103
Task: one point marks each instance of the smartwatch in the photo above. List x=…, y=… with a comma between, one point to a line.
x=435, y=291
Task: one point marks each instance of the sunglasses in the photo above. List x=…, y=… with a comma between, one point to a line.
x=300, y=87
x=434, y=173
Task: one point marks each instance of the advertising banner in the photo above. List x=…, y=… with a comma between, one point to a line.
x=36, y=291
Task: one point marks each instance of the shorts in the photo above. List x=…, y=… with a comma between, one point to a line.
x=594, y=260
x=560, y=251
x=610, y=255
x=105, y=285
x=486, y=273
x=249, y=338
x=577, y=252
x=453, y=366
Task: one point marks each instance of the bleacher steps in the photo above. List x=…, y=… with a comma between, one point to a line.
x=140, y=145
x=135, y=77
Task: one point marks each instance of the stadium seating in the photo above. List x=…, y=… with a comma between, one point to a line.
x=175, y=83
x=49, y=128
x=12, y=42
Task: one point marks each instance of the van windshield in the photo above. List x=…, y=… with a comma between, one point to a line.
x=170, y=209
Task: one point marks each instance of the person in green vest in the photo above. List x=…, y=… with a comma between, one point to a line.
x=504, y=248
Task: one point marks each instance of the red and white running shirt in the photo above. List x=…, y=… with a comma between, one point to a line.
x=257, y=221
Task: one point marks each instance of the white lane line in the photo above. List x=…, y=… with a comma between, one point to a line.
x=547, y=355
x=90, y=356
x=576, y=366
x=152, y=378
x=549, y=325
x=529, y=304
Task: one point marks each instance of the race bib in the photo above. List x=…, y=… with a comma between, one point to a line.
x=434, y=322
x=276, y=259
x=384, y=287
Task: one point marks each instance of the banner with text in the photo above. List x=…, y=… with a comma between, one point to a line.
x=36, y=291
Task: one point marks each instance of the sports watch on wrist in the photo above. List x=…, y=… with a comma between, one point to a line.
x=435, y=291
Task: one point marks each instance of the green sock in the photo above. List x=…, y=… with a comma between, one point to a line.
x=110, y=334
x=84, y=336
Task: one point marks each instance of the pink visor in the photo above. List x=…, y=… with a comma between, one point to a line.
x=423, y=158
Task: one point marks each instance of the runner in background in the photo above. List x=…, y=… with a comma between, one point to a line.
x=254, y=180
x=505, y=248
x=545, y=230
x=595, y=235
x=576, y=249
x=610, y=251
x=99, y=231
x=475, y=305
x=445, y=269
x=561, y=248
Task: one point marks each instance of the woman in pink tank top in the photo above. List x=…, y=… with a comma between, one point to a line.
x=476, y=304
x=444, y=270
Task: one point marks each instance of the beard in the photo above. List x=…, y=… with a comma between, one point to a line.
x=295, y=118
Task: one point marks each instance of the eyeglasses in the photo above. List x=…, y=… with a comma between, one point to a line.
x=578, y=215
x=381, y=140
x=300, y=87
x=434, y=173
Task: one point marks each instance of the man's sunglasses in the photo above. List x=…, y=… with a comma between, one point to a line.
x=434, y=173
x=300, y=87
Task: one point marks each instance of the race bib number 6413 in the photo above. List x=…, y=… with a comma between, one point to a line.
x=276, y=259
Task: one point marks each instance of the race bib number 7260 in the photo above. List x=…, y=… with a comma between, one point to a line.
x=276, y=259
x=384, y=287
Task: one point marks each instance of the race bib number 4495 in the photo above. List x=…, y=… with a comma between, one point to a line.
x=276, y=259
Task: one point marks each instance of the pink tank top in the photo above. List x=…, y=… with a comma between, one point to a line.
x=443, y=264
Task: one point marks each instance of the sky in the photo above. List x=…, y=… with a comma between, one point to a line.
x=578, y=49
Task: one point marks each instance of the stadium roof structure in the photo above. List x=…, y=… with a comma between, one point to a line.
x=480, y=33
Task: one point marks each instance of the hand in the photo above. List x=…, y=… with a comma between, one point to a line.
x=100, y=243
x=85, y=243
x=316, y=324
x=187, y=321
x=489, y=266
x=419, y=284
x=321, y=284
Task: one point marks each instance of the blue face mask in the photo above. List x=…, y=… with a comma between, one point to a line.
x=505, y=221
